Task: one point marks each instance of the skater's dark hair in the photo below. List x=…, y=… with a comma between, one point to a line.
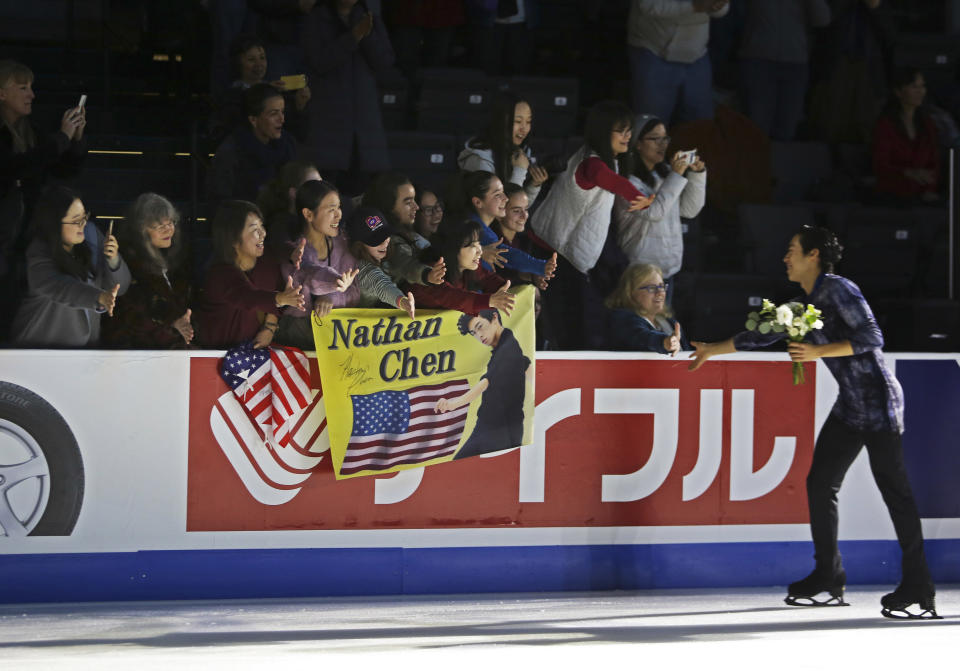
x=823, y=239
x=463, y=324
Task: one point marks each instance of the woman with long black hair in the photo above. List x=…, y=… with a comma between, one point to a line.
x=320, y=262
x=574, y=219
x=503, y=147
x=74, y=275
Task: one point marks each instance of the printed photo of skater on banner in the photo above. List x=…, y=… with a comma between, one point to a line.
x=404, y=393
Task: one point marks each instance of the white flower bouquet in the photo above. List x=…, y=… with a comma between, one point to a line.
x=793, y=318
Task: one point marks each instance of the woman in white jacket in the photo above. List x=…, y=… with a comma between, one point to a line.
x=654, y=235
x=502, y=148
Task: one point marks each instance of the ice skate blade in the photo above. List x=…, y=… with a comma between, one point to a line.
x=904, y=614
x=808, y=601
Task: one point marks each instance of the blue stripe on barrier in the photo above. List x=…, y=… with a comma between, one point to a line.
x=264, y=573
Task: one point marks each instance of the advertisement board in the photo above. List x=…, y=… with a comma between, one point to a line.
x=128, y=475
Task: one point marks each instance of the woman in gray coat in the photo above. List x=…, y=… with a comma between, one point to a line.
x=74, y=274
x=345, y=48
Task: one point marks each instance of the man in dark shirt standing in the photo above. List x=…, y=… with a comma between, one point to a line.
x=499, y=423
x=868, y=411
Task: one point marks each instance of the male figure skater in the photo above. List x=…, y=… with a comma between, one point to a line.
x=868, y=411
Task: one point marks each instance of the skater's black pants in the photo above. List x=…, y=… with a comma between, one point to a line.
x=837, y=447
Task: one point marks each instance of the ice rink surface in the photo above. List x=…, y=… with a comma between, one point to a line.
x=685, y=629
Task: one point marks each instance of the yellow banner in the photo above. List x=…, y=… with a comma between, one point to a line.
x=402, y=393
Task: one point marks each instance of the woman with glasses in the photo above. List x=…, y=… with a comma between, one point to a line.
x=654, y=235
x=641, y=319
x=574, y=219
x=155, y=313
x=429, y=216
x=74, y=275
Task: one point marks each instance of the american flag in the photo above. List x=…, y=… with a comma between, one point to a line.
x=391, y=428
x=271, y=383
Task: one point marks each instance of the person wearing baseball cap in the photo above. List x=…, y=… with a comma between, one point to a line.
x=369, y=234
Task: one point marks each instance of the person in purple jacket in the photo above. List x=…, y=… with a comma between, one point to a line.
x=320, y=262
x=868, y=412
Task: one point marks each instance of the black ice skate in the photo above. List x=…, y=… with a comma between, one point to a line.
x=897, y=603
x=810, y=590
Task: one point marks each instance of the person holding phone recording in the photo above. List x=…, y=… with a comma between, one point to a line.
x=74, y=274
x=28, y=158
x=655, y=235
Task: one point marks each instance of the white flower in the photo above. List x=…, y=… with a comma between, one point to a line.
x=817, y=324
x=784, y=315
x=794, y=332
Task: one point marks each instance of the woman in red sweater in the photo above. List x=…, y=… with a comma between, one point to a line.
x=468, y=287
x=906, y=155
x=243, y=293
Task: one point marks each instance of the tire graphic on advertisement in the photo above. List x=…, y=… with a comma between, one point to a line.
x=41, y=471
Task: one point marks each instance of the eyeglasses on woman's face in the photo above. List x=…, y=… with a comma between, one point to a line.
x=80, y=221
x=163, y=225
x=654, y=288
x=659, y=140
x=430, y=210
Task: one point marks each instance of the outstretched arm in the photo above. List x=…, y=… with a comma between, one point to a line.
x=706, y=350
x=448, y=404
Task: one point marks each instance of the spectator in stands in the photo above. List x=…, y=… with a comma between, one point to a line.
x=429, y=215
x=848, y=70
x=655, y=235
x=277, y=201
x=369, y=240
x=906, y=158
x=393, y=194
x=422, y=32
x=250, y=59
x=641, y=320
x=228, y=19
x=155, y=312
x=511, y=228
x=280, y=25
x=319, y=262
x=484, y=201
x=574, y=219
x=773, y=61
x=243, y=294
x=74, y=275
x=28, y=156
x=254, y=152
x=670, y=70
x=503, y=34
x=502, y=148
x=346, y=48
x=467, y=287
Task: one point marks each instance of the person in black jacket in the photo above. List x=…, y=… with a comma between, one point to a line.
x=502, y=389
x=254, y=152
x=346, y=49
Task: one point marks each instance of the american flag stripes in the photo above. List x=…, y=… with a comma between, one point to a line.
x=391, y=428
x=272, y=384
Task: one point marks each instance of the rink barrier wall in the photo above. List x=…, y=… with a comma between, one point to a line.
x=641, y=476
